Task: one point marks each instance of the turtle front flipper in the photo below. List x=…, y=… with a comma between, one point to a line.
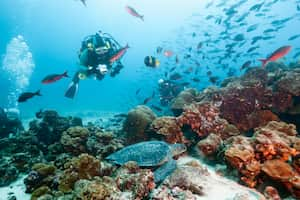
x=165, y=170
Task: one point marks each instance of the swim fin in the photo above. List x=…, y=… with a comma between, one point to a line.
x=72, y=90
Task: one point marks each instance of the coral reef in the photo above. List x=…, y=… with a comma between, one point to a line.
x=290, y=82
x=74, y=140
x=271, y=193
x=83, y=167
x=240, y=155
x=136, y=123
x=48, y=130
x=210, y=145
x=281, y=171
x=202, y=118
x=245, y=123
x=101, y=144
x=184, y=98
x=41, y=175
x=168, y=128
x=275, y=141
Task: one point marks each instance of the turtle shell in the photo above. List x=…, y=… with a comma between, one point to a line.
x=153, y=153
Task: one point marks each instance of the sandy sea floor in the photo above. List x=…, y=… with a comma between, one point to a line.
x=16, y=189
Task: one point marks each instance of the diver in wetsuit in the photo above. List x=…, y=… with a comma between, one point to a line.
x=94, y=56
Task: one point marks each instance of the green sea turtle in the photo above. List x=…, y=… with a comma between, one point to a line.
x=150, y=154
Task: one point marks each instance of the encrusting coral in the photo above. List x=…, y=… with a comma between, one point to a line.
x=74, y=140
x=168, y=128
x=136, y=123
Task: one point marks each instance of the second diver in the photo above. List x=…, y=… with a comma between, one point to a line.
x=99, y=54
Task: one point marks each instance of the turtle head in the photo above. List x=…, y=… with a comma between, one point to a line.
x=178, y=149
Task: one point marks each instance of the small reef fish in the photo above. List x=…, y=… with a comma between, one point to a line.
x=54, y=77
x=137, y=91
x=28, y=95
x=149, y=98
x=172, y=69
x=199, y=46
x=39, y=114
x=294, y=37
x=175, y=76
x=197, y=80
x=177, y=59
x=168, y=53
x=213, y=79
x=245, y=65
x=184, y=84
x=279, y=53
x=151, y=61
x=83, y=2
x=134, y=13
x=159, y=50
x=119, y=54
x=157, y=108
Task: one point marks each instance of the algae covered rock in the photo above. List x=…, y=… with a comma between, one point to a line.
x=74, y=140
x=40, y=192
x=42, y=174
x=168, y=128
x=81, y=167
x=101, y=144
x=136, y=123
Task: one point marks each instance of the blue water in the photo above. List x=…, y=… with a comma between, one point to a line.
x=54, y=29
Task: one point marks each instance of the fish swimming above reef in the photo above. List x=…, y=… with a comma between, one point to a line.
x=257, y=7
x=138, y=91
x=157, y=108
x=168, y=53
x=279, y=53
x=83, y=2
x=39, y=114
x=294, y=37
x=245, y=65
x=159, y=50
x=151, y=61
x=134, y=13
x=28, y=95
x=175, y=76
x=54, y=77
x=148, y=99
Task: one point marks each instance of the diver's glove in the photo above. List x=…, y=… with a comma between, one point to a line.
x=102, y=69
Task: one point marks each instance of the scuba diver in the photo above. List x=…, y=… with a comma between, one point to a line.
x=98, y=55
x=168, y=90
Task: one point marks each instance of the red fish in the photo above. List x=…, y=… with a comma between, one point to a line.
x=279, y=53
x=134, y=13
x=119, y=54
x=168, y=53
x=54, y=77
